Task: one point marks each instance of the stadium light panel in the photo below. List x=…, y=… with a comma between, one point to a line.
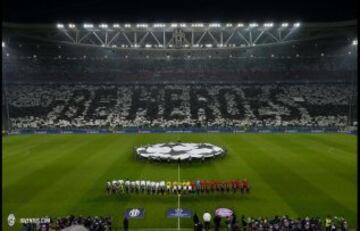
x=297, y=24
x=3, y=44
x=355, y=42
x=252, y=25
x=208, y=45
x=158, y=25
x=88, y=25
x=214, y=25
x=196, y=45
x=127, y=25
x=285, y=24
x=60, y=26
x=197, y=25
x=240, y=25
x=268, y=25
x=141, y=25
x=229, y=24
x=174, y=25
x=103, y=25
x=116, y=25
x=182, y=25
x=220, y=45
x=148, y=45
x=71, y=25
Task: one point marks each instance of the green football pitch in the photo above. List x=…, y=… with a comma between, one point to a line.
x=293, y=174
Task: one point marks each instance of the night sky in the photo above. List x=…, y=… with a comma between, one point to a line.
x=53, y=11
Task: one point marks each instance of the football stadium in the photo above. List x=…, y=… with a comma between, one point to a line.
x=180, y=126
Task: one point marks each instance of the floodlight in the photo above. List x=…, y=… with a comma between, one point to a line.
x=174, y=25
x=148, y=45
x=214, y=25
x=60, y=26
x=285, y=24
x=182, y=25
x=158, y=25
x=88, y=25
x=127, y=25
x=71, y=25
x=196, y=45
x=141, y=25
x=229, y=25
x=220, y=45
x=240, y=25
x=103, y=25
x=3, y=44
x=253, y=25
x=355, y=42
x=186, y=45
x=208, y=45
x=116, y=25
x=197, y=25
x=268, y=25
x=297, y=24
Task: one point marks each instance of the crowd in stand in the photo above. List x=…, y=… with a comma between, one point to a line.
x=181, y=106
x=177, y=187
x=60, y=223
x=276, y=223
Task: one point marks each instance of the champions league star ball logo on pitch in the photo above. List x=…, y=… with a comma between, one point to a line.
x=11, y=220
x=180, y=151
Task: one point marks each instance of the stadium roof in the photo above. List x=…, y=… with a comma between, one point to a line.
x=195, y=35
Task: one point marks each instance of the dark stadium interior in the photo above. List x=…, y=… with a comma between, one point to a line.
x=140, y=94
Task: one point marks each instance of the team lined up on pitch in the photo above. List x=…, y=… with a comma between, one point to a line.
x=166, y=187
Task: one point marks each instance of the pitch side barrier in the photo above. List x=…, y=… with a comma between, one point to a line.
x=179, y=130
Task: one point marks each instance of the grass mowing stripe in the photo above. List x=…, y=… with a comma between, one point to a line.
x=264, y=163
x=312, y=158
x=35, y=182
x=257, y=180
x=74, y=177
x=332, y=161
x=296, y=189
x=35, y=161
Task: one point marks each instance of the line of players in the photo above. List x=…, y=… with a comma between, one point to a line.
x=177, y=187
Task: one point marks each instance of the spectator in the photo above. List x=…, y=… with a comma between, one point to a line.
x=207, y=220
x=126, y=223
x=217, y=222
